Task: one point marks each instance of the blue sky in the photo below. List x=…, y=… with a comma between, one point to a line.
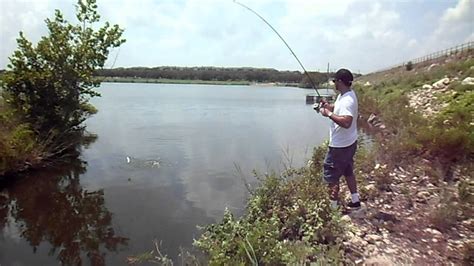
x=362, y=35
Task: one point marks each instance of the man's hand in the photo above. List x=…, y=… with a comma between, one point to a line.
x=327, y=105
x=325, y=112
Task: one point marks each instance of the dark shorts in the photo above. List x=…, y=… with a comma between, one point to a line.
x=338, y=162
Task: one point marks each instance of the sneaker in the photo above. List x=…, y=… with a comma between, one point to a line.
x=353, y=205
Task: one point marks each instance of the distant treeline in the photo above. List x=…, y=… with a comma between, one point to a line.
x=216, y=74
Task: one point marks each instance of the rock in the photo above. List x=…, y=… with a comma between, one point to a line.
x=378, y=261
x=441, y=83
x=371, y=189
x=432, y=66
x=390, y=250
x=427, y=87
x=310, y=163
x=384, y=216
x=468, y=81
x=423, y=194
x=358, y=242
x=367, y=84
x=346, y=219
x=468, y=223
x=433, y=232
x=372, y=118
x=372, y=238
x=360, y=213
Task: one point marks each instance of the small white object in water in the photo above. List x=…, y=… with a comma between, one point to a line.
x=128, y=159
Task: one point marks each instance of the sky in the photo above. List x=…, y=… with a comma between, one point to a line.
x=362, y=35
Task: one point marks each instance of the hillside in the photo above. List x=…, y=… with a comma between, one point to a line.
x=417, y=179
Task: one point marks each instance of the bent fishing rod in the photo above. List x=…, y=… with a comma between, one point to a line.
x=291, y=50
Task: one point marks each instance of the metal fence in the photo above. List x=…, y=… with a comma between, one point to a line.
x=458, y=49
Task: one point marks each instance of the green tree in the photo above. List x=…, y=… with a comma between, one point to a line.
x=49, y=84
x=317, y=77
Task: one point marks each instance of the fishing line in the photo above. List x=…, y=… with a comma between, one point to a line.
x=291, y=50
x=116, y=56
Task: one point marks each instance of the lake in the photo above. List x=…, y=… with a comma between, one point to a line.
x=165, y=160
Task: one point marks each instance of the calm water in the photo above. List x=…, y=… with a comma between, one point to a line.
x=164, y=161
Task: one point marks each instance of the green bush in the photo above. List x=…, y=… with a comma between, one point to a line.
x=18, y=143
x=288, y=220
x=448, y=136
x=49, y=84
x=445, y=216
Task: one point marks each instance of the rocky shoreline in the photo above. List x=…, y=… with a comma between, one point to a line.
x=418, y=214
x=395, y=227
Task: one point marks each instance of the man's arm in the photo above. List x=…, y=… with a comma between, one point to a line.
x=344, y=121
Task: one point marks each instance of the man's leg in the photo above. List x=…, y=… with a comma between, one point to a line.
x=334, y=193
x=350, y=177
x=331, y=176
x=351, y=183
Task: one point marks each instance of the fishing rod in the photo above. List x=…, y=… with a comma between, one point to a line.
x=291, y=50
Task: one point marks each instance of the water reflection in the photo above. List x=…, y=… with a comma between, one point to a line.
x=53, y=207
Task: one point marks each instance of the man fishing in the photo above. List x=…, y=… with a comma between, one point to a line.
x=342, y=139
x=343, y=134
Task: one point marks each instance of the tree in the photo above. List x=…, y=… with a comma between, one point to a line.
x=317, y=77
x=50, y=84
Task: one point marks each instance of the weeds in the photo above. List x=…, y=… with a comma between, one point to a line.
x=157, y=257
x=288, y=220
x=449, y=136
x=18, y=144
x=445, y=216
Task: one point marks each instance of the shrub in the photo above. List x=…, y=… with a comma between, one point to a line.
x=409, y=66
x=49, y=84
x=448, y=136
x=18, y=143
x=445, y=216
x=288, y=220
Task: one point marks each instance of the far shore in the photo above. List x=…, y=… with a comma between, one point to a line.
x=194, y=81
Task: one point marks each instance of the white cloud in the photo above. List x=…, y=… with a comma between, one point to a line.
x=359, y=34
x=454, y=24
x=22, y=15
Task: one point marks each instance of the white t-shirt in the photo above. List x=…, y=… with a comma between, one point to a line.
x=345, y=104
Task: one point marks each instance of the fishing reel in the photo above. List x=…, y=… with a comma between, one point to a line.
x=320, y=104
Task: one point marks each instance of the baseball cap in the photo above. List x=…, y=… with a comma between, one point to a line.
x=344, y=75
